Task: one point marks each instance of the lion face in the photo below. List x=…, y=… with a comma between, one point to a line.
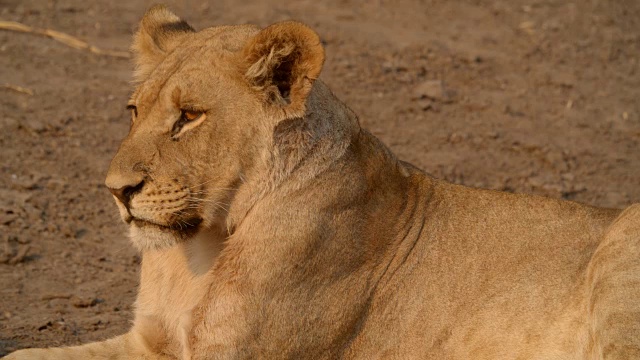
x=202, y=120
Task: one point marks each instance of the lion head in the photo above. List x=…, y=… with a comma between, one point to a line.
x=204, y=116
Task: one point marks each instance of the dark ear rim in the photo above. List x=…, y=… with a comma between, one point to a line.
x=162, y=24
x=158, y=33
x=284, y=59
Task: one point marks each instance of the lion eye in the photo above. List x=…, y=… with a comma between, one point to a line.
x=190, y=115
x=189, y=119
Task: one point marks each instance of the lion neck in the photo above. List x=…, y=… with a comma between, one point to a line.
x=300, y=150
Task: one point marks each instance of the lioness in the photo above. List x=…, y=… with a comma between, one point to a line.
x=273, y=226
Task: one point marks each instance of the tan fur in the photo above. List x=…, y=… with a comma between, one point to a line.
x=275, y=227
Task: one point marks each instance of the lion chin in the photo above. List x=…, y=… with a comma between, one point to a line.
x=146, y=235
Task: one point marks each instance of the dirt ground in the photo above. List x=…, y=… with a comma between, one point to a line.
x=537, y=96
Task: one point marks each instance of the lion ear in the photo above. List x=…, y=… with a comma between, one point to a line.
x=283, y=60
x=159, y=32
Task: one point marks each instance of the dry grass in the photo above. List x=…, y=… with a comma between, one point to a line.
x=66, y=39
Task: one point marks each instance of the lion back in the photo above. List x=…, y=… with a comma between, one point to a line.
x=614, y=285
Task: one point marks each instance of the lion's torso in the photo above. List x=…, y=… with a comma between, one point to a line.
x=471, y=273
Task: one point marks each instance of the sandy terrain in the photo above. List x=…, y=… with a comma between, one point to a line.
x=537, y=96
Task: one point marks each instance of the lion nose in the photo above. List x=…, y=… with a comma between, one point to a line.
x=125, y=193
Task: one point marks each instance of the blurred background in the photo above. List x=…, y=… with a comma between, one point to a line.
x=536, y=96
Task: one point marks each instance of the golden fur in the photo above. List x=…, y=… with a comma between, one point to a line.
x=272, y=226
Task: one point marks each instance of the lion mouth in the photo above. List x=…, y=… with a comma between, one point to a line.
x=181, y=226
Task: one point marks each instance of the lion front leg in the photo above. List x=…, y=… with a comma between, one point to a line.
x=123, y=347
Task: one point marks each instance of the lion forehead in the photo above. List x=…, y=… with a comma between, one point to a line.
x=204, y=56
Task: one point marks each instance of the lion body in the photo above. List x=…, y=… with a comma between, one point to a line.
x=326, y=246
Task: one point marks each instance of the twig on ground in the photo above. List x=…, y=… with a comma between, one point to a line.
x=56, y=296
x=66, y=39
x=19, y=89
x=20, y=256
